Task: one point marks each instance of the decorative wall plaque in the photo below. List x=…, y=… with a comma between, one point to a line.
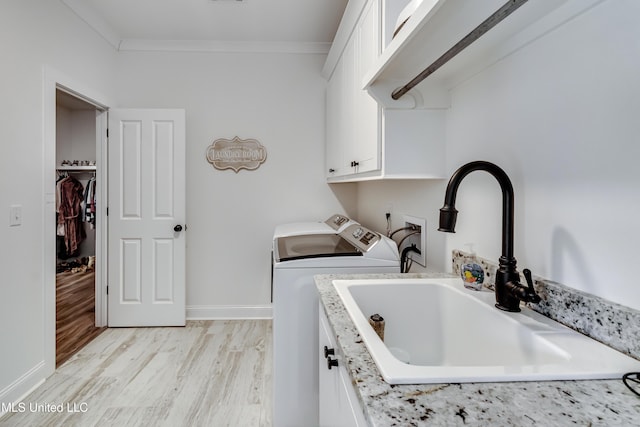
x=236, y=154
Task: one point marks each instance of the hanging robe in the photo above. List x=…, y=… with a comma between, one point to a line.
x=70, y=214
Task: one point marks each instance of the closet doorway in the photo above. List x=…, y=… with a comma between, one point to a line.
x=76, y=223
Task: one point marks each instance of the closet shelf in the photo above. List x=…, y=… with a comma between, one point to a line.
x=76, y=168
x=437, y=25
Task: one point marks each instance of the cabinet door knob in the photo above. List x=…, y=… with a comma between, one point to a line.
x=332, y=170
x=331, y=362
x=328, y=352
x=177, y=228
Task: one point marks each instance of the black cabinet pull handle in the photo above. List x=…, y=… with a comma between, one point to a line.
x=331, y=362
x=328, y=352
x=177, y=228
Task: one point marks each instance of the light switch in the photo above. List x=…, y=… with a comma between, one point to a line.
x=15, y=215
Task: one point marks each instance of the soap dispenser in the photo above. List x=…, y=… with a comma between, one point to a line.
x=471, y=272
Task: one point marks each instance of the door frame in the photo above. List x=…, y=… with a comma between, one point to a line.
x=52, y=81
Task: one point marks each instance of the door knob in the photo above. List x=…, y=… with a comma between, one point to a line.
x=177, y=228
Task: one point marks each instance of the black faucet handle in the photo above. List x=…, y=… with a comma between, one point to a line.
x=527, y=275
x=533, y=296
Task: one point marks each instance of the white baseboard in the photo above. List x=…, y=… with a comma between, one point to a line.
x=219, y=312
x=21, y=388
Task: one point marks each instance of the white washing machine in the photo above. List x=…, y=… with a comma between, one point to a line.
x=332, y=225
x=296, y=259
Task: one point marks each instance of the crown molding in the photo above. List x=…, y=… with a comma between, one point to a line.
x=94, y=20
x=102, y=27
x=137, y=45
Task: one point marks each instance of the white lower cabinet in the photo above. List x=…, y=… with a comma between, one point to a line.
x=338, y=403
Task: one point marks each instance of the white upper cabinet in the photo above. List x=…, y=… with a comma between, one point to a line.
x=334, y=123
x=366, y=146
x=352, y=114
x=364, y=140
x=371, y=135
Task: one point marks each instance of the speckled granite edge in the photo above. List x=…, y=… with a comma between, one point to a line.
x=559, y=403
x=605, y=321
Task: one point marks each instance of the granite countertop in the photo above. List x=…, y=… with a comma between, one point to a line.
x=545, y=403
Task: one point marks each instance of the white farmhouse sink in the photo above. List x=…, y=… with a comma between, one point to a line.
x=436, y=331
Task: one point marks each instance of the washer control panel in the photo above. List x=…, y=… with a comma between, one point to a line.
x=337, y=221
x=361, y=237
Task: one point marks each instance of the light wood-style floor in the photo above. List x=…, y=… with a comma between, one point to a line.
x=209, y=373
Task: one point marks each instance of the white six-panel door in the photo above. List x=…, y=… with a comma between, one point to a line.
x=146, y=217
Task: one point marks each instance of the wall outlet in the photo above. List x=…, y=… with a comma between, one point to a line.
x=419, y=239
x=388, y=210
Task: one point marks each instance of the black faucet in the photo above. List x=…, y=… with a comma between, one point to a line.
x=509, y=291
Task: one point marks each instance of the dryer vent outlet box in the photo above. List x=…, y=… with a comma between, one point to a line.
x=417, y=239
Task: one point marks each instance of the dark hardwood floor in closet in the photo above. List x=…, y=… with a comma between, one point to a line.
x=75, y=313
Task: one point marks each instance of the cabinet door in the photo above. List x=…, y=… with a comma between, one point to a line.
x=353, y=126
x=335, y=122
x=338, y=406
x=367, y=138
x=349, y=100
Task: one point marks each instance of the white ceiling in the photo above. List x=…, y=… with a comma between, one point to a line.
x=305, y=25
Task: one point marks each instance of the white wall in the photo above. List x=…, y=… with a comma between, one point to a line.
x=561, y=117
x=33, y=33
x=75, y=134
x=421, y=199
x=277, y=99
